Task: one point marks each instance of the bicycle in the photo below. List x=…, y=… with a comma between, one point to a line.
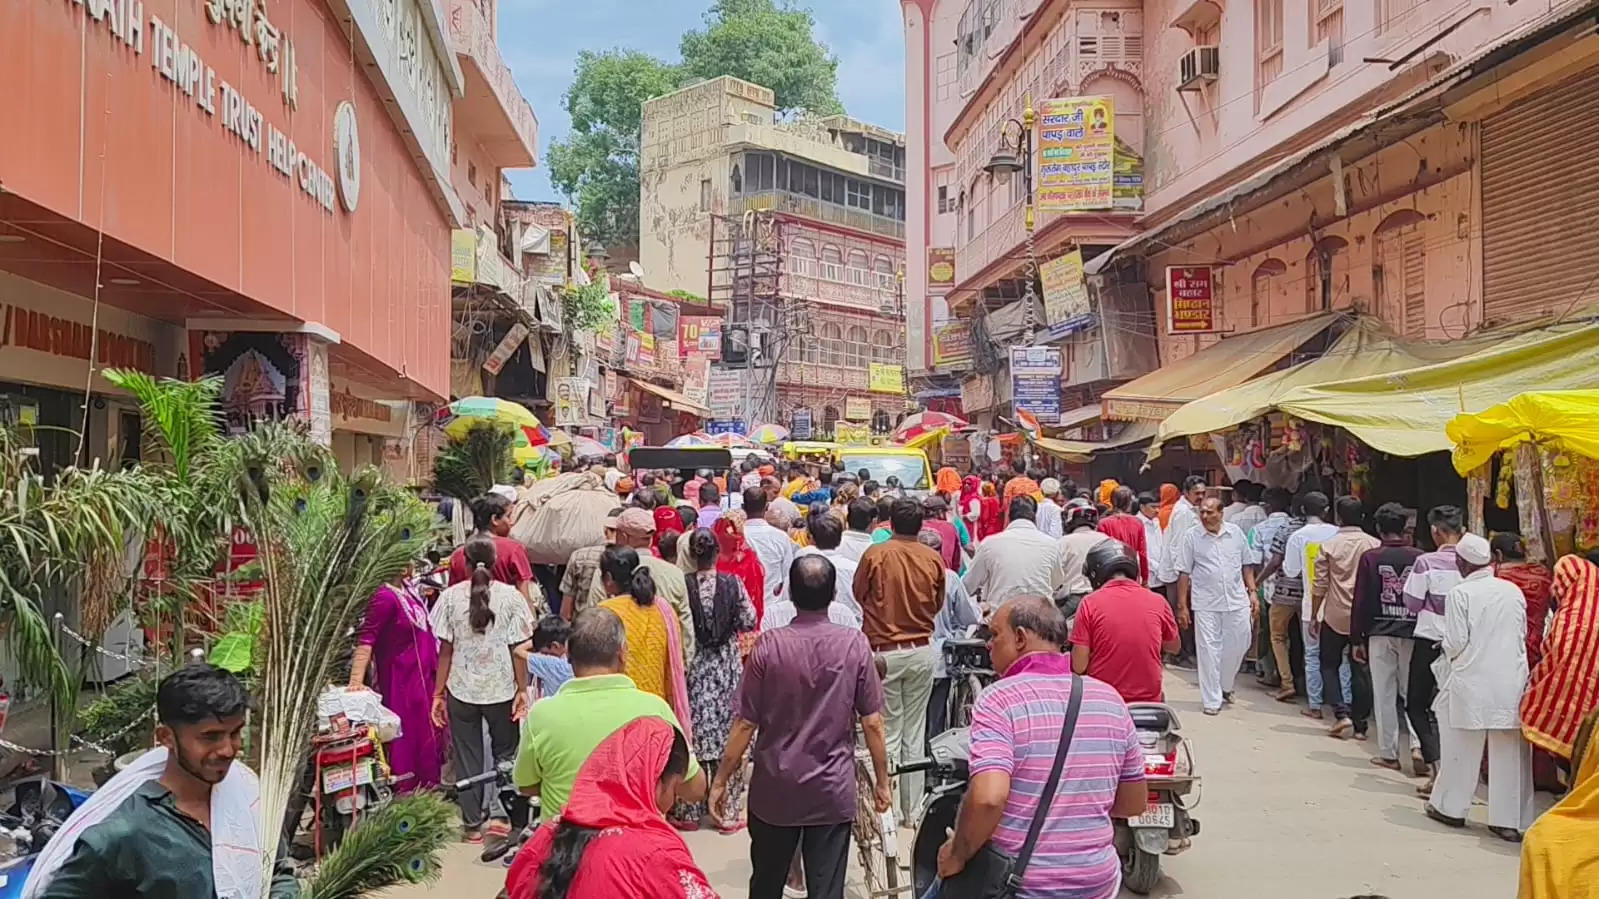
x=876, y=834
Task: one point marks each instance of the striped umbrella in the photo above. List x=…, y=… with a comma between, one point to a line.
x=768, y=434
x=458, y=418
x=923, y=423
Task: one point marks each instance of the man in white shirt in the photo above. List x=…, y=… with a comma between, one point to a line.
x=1018, y=561
x=825, y=531
x=1298, y=563
x=772, y=546
x=857, y=539
x=1154, y=537
x=1245, y=510
x=1049, y=510
x=1216, y=595
x=1479, y=698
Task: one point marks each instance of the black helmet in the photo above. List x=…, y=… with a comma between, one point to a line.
x=1079, y=513
x=1107, y=558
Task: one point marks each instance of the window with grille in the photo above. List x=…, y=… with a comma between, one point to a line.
x=944, y=76
x=943, y=198
x=856, y=346
x=1391, y=14
x=1399, y=272
x=1327, y=24
x=1268, y=41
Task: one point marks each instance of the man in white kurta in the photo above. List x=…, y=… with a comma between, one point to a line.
x=1481, y=676
x=1216, y=590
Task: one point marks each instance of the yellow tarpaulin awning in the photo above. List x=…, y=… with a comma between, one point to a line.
x=1367, y=348
x=673, y=398
x=1406, y=412
x=1081, y=451
x=1227, y=363
x=1567, y=420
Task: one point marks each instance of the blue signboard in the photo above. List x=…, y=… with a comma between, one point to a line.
x=728, y=426
x=1035, y=381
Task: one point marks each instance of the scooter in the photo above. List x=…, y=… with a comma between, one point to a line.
x=38, y=810
x=1167, y=826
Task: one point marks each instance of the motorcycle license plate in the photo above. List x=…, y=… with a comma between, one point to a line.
x=1159, y=814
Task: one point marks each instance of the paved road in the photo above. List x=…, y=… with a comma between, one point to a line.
x=1288, y=813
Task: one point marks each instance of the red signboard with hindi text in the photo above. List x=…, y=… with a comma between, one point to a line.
x=1191, y=306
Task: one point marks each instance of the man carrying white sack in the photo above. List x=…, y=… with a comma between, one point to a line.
x=179, y=823
x=1481, y=676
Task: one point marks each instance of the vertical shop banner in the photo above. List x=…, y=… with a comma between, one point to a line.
x=725, y=393
x=1076, y=147
x=463, y=256
x=1065, y=294
x=884, y=378
x=1035, y=381
x=646, y=349
x=858, y=408
x=1191, y=300
x=630, y=356
x=650, y=408
x=571, y=401
x=952, y=344
x=799, y=424
x=697, y=380
x=940, y=268
x=1128, y=176
x=513, y=339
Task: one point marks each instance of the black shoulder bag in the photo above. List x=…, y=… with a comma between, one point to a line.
x=991, y=874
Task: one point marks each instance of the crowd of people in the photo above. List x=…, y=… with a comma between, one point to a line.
x=775, y=622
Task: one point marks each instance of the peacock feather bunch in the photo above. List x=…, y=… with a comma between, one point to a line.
x=399, y=843
x=468, y=467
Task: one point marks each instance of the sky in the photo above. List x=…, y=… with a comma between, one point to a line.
x=540, y=40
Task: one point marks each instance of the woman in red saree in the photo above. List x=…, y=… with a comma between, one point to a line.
x=612, y=840
x=992, y=519
x=1534, y=580
x=736, y=558
x=1564, y=685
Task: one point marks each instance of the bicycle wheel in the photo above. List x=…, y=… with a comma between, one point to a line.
x=878, y=870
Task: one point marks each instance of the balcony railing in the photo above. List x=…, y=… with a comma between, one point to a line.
x=859, y=219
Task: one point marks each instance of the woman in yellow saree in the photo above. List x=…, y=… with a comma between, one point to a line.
x=1560, y=853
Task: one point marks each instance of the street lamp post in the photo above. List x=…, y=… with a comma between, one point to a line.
x=1017, y=156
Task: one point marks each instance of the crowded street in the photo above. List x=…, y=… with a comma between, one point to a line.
x=1286, y=812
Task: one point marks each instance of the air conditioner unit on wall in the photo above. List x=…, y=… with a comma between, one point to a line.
x=1198, y=67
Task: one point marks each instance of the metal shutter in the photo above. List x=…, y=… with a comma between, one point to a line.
x=1540, y=186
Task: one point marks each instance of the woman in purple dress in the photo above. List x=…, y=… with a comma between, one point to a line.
x=396, y=640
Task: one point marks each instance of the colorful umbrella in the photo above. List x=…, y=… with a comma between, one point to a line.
x=460, y=416
x=697, y=438
x=733, y=441
x=768, y=434
x=588, y=447
x=922, y=423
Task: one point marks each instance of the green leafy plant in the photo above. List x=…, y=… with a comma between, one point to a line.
x=235, y=650
x=114, y=719
x=589, y=306
x=399, y=843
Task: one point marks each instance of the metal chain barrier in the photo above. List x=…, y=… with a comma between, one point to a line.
x=142, y=720
x=138, y=661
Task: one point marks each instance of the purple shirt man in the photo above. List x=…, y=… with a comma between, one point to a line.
x=804, y=687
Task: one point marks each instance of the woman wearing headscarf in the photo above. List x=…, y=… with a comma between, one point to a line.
x=1169, y=494
x=971, y=503
x=612, y=839
x=735, y=557
x=722, y=611
x=667, y=521
x=654, y=659
x=1557, y=855
x=947, y=482
x=1107, y=487
x=1535, y=581
x=1564, y=686
x=992, y=519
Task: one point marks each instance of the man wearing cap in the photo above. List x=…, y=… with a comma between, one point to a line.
x=1483, y=673
x=636, y=528
x=1049, y=510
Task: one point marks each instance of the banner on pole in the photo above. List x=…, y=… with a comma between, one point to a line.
x=1076, y=143
x=1035, y=381
x=1065, y=294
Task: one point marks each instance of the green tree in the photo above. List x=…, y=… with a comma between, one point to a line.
x=597, y=164
x=771, y=44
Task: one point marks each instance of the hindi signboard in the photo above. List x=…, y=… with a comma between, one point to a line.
x=1065, y=294
x=1191, y=300
x=857, y=408
x=940, y=268
x=725, y=393
x=697, y=380
x=1076, y=144
x=800, y=424
x=884, y=378
x=502, y=353
x=1035, y=381
x=952, y=344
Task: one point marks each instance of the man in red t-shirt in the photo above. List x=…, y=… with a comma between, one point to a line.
x=1125, y=526
x=491, y=514
x=1122, y=628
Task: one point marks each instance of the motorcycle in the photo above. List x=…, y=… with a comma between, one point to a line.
x=38, y=809
x=1167, y=826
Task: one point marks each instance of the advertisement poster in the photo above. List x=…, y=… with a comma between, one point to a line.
x=1191, y=300
x=608, y=438
x=1035, y=381
x=857, y=408
x=513, y=339
x=725, y=392
x=463, y=256
x=697, y=380
x=884, y=378
x=605, y=338
x=646, y=348
x=630, y=355
x=699, y=335
x=571, y=401
x=1076, y=153
x=1128, y=190
x=940, y=268
x=1065, y=294
x=800, y=424
x=952, y=344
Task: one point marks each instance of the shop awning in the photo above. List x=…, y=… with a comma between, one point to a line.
x=1367, y=348
x=672, y=398
x=1228, y=363
x=1076, y=418
x=1081, y=451
x=1566, y=420
x=1407, y=412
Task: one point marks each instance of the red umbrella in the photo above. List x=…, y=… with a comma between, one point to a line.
x=922, y=423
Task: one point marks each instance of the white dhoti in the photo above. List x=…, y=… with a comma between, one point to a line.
x=1510, y=801
x=1220, y=639
x=1389, y=658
